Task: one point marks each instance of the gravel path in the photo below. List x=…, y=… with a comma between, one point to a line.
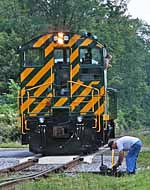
x=11, y=158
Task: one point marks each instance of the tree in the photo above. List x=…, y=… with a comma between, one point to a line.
x=126, y=39
x=65, y=15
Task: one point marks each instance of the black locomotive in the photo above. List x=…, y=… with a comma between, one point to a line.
x=64, y=102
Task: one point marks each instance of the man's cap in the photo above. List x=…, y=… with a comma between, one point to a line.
x=110, y=144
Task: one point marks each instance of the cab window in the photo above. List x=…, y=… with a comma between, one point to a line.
x=90, y=55
x=96, y=56
x=61, y=56
x=32, y=58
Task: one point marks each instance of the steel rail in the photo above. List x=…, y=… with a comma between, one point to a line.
x=21, y=166
x=9, y=183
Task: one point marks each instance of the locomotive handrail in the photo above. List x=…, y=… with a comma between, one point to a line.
x=90, y=87
x=21, y=114
x=84, y=85
x=28, y=90
x=98, y=94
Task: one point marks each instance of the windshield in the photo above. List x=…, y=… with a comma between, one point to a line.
x=61, y=55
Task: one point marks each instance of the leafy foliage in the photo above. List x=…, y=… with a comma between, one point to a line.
x=9, y=130
x=126, y=39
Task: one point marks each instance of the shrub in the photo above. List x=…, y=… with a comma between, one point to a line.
x=9, y=129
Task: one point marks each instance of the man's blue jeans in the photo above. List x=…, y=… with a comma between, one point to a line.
x=132, y=156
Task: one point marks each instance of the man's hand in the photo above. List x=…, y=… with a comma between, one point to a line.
x=114, y=168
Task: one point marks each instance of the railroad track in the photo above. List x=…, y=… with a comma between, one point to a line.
x=9, y=183
x=30, y=162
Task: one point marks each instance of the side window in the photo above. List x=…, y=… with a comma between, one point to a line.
x=83, y=51
x=90, y=55
x=32, y=58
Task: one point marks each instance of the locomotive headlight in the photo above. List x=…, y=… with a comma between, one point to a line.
x=60, y=38
x=41, y=119
x=66, y=38
x=95, y=37
x=55, y=38
x=60, y=41
x=60, y=35
x=79, y=119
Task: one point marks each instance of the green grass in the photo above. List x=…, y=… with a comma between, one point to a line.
x=145, y=140
x=13, y=145
x=144, y=159
x=91, y=182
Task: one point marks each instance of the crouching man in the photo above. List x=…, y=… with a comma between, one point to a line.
x=133, y=146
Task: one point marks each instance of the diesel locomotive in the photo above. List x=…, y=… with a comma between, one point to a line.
x=65, y=105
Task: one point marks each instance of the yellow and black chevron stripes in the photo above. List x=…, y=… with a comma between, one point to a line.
x=91, y=104
x=41, y=73
x=42, y=40
x=39, y=93
x=26, y=105
x=74, y=55
x=74, y=58
x=41, y=105
x=33, y=81
x=75, y=70
x=76, y=86
x=22, y=92
x=33, y=77
x=25, y=74
x=49, y=49
x=87, y=90
x=61, y=102
x=86, y=42
x=80, y=99
x=100, y=110
x=73, y=40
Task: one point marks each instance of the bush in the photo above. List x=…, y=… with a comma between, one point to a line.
x=130, y=119
x=9, y=129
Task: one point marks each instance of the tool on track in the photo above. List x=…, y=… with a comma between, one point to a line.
x=104, y=170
